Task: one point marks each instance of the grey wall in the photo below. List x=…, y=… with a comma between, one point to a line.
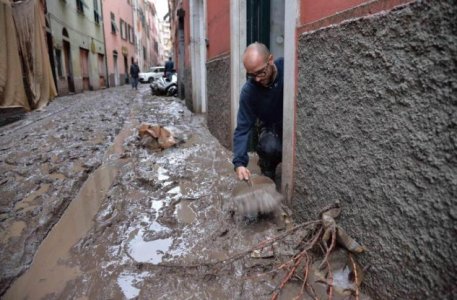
x=218, y=84
x=377, y=130
x=188, y=88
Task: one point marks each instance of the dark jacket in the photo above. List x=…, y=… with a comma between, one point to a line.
x=257, y=102
x=134, y=70
x=169, y=66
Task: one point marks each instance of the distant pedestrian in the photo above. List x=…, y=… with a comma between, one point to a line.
x=134, y=71
x=169, y=68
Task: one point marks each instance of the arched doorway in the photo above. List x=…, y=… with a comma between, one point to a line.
x=116, y=68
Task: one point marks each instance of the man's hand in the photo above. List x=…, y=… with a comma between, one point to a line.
x=243, y=173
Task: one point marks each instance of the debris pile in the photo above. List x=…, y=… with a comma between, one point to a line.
x=155, y=137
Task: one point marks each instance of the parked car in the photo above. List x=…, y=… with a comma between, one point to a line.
x=153, y=74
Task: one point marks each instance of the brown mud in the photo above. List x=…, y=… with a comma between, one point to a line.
x=105, y=218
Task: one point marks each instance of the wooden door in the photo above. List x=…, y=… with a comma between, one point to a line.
x=84, y=60
x=101, y=70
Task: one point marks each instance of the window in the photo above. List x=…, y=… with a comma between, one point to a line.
x=144, y=53
x=156, y=46
x=131, y=35
x=96, y=17
x=113, y=24
x=123, y=29
x=96, y=14
x=80, y=6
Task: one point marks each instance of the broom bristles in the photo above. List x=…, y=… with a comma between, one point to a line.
x=259, y=198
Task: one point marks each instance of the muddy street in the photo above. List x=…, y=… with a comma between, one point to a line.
x=88, y=212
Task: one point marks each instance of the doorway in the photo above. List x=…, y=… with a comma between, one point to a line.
x=84, y=61
x=68, y=66
x=51, y=55
x=101, y=70
x=116, y=69
x=258, y=22
x=126, y=70
x=264, y=21
x=181, y=53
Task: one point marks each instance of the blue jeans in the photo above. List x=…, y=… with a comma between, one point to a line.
x=134, y=83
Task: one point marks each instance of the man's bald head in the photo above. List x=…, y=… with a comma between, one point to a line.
x=255, y=54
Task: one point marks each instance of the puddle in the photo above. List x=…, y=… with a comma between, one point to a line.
x=157, y=205
x=57, y=176
x=14, y=230
x=175, y=191
x=48, y=272
x=184, y=213
x=162, y=174
x=97, y=140
x=25, y=203
x=148, y=251
x=118, y=144
x=126, y=283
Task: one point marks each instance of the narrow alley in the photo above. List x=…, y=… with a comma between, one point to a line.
x=129, y=131
x=89, y=213
x=81, y=152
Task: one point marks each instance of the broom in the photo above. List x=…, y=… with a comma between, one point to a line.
x=256, y=195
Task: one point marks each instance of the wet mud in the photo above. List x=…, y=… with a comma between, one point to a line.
x=107, y=218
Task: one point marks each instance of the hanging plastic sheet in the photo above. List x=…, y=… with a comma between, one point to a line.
x=25, y=71
x=12, y=92
x=36, y=68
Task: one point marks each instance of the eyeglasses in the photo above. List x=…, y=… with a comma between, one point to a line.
x=259, y=74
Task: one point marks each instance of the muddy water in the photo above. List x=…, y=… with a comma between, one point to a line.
x=51, y=268
x=14, y=230
x=184, y=212
x=164, y=213
x=49, y=271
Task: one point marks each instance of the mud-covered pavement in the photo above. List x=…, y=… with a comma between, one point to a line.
x=103, y=217
x=129, y=208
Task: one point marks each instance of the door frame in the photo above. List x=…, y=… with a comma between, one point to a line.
x=238, y=15
x=238, y=24
x=292, y=8
x=198, y=54
x=68, y=66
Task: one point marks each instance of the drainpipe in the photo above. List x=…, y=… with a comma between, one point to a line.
x=104, y=44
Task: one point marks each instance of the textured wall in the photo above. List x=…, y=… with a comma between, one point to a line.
x=218, y=83
x=377, y=129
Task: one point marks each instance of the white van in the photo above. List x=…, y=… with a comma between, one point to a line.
x=153, y=74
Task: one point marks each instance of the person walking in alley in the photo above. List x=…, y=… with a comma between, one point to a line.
x=261, y=98
x=169, y=67
x=134, y=71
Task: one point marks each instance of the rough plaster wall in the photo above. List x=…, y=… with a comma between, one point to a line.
x=188, y=88
x=62, y=86
x=377, y=130
x=218, y=83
